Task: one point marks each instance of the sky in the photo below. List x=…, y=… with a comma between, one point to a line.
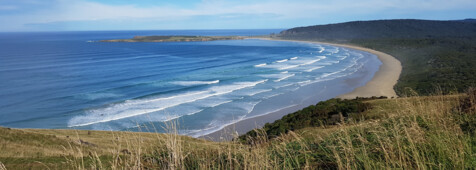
x=79, y=15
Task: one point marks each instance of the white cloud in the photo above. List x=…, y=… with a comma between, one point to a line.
x=82, y=10
x=68, y=10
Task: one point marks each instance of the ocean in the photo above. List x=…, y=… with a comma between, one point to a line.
x=68, y=80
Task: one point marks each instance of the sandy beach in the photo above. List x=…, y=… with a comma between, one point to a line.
x=380, y=85
x=383, y=81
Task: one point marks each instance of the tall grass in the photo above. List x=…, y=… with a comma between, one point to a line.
x=435, y=132
x=421, y=134
x=2, y=167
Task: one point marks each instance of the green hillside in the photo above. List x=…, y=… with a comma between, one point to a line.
x=434, y=54
x=384, y=29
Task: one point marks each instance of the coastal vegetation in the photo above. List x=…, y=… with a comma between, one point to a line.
x=434, y=54
x=325, y=113
x=432, y=132
x=174, y=38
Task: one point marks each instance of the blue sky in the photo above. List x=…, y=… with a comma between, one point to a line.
x=72, y=15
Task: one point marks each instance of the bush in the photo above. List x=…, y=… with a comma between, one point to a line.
x=328, y=112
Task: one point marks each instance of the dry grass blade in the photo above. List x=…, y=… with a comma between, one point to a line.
x=2, y=167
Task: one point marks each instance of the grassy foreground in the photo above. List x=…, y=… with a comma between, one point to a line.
x=435, y=132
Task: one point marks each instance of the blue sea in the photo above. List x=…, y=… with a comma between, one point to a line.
x=69, y=80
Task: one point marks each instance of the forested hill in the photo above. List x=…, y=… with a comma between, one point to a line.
x=468, y=20
x=385, y=29
x=434, y=54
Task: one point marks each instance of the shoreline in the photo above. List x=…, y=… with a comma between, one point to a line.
x=384, y=79
x=381, y=84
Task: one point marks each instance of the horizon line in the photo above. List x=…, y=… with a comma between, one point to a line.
x=45, y=31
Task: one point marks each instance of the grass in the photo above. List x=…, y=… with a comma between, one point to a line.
x=26, y=148
x=420, y=135
x=434, y=132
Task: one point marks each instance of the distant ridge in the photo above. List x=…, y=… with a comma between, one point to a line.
x=434, y=54
x=401, y=28
x=468, y=20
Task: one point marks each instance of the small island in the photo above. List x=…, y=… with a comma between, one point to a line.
x=175, y=38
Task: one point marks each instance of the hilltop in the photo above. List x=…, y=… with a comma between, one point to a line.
x=380, y=29
x=434, y=54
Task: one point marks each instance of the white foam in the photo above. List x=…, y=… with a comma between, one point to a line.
x=260, y=65
x=194, y=83
x=285, y=67
x=279, y=77
x=248, y=106
x=354, y=63
x=322, y=49
x=310, y=62
x=259, y=92
x=315, y=68
x=333, y=51
x=304, y=82
x=198, y=111
x=329, y=74
x=180, y=96
x=287, y=64
x=341, y=57
x=284, y=78
x=298, y=64
x=330, y=62
x=138, y=107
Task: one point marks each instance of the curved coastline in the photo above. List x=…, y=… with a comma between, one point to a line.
x=384, y=79
x=381, y=84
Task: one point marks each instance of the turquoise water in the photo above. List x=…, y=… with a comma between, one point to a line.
x=69, y=80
